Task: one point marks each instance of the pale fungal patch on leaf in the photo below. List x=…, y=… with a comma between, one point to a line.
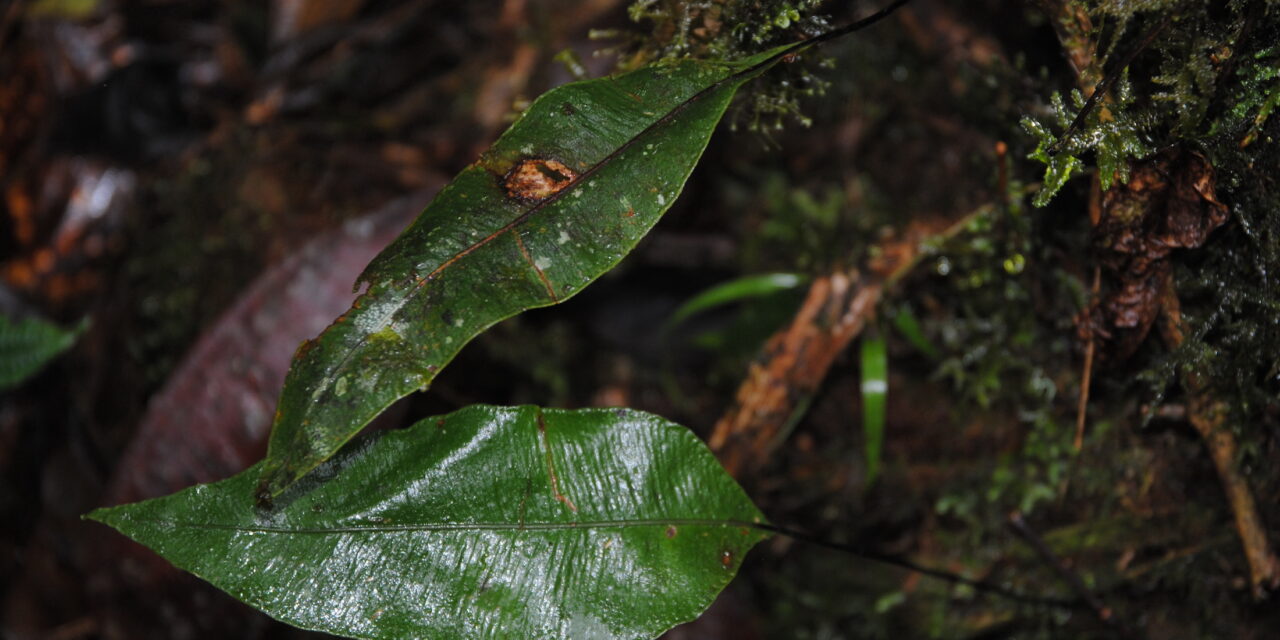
x=536, y=179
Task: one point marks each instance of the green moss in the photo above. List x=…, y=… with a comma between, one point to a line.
x=732, y=30
x=1209, y=82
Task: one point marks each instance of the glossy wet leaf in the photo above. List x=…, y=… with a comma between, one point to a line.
x=875, y=386
x=28, y=345
x=557, y=201
x=491, y=522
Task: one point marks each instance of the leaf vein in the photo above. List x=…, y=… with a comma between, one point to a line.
x=457, y=526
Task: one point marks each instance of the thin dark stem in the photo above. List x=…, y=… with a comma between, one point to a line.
x=856, y=25
x=1104, y=88
x=903, y=563
x=1019, y=526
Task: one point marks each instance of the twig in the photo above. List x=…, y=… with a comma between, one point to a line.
x=794, y=363
x=1209, y=417
x=1085, y=379
x=903, y=563
x=1086, y=375
x=1105, y=87
x=1091, y=343
x=858, y=24
x=1019, y=526
x=796, y=359
x=1002, y=174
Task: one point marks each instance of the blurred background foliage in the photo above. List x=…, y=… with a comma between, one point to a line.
x=156, y=157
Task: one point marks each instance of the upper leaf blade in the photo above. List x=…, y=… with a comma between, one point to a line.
x=491, y=522
x=557, y=201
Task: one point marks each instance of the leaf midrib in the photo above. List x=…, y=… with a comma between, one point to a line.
x=456, y=526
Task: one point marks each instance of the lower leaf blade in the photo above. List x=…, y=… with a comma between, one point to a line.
x=487, y=523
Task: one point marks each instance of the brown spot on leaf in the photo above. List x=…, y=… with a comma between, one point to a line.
x=671, y=531
x=536, y=179
x=726, y=559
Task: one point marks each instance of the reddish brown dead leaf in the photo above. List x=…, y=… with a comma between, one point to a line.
x=1168, y=204
x=212, y=417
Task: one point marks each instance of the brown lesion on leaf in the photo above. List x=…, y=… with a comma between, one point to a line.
x=536, y=179
x=546, y=283
x=551, y=465
x=307, y=346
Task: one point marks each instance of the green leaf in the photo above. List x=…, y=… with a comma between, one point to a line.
x=557, y=201
x=875, y=386
x=753, y=286
x=27, y=346
x=491, y=522
x=908, y=326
